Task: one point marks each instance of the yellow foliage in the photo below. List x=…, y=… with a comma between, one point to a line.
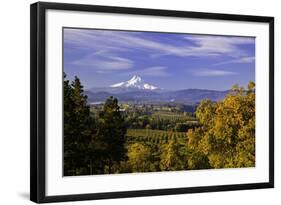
x=227, y=135
x=139, y=155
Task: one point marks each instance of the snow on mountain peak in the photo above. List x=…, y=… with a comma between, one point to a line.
x=134, y=82
x=136, y=78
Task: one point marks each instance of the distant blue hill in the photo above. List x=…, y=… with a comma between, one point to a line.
x=188, y=96
x=138, y=91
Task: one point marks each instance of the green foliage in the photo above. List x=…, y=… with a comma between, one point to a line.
x=111, y=134
x=184, y=127
x=159, y=117
x=78, y=128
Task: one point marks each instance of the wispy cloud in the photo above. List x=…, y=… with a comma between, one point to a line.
x=196, y=45
x=104, y=61
x=219, y=45
x=154, y=71
x=212, y=73
x=248, y=59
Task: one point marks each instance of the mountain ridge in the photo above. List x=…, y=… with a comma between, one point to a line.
x=134, y=91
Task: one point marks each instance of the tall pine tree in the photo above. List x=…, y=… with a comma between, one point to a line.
x=111, y=134
x=78, y=129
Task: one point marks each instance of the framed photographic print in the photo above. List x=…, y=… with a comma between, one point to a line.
x=129, y=102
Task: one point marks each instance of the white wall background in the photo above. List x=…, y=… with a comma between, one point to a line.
x=14, y=100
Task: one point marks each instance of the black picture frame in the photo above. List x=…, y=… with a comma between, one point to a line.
x=38, y=101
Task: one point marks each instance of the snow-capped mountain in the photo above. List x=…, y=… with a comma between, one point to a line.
x=137, y=90
x=135, y=82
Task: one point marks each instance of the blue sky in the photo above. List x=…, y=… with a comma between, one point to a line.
x=167, y=60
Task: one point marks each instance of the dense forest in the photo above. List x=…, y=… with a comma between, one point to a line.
x=115, y=137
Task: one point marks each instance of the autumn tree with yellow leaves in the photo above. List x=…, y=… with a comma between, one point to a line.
x=227, y=134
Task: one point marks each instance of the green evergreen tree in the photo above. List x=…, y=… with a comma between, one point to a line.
x=111, y=134
x=77, y=128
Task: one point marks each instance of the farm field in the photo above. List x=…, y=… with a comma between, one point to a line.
x=172, y=116
x=157, y=136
